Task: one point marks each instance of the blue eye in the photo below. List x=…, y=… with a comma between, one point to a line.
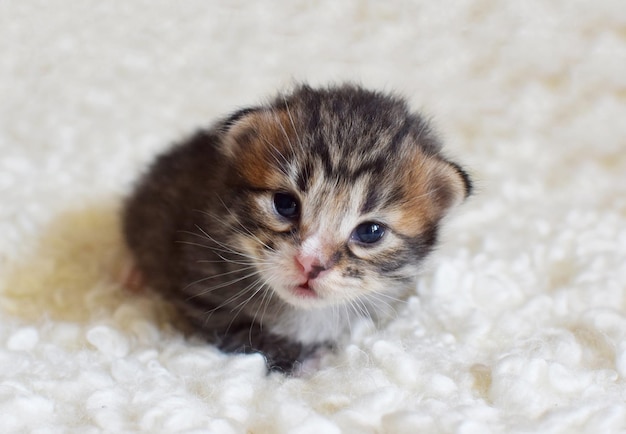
x=286, y=205
x=368, y=232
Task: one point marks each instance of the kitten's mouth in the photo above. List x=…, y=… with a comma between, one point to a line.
x=305, y=291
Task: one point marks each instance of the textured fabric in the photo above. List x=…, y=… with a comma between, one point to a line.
x=520, y=325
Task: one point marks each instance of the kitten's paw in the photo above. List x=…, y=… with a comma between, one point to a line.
x=312, y=363
x=131, y=278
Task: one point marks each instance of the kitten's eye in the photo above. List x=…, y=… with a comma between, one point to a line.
x=368, y=232
x=286, y=205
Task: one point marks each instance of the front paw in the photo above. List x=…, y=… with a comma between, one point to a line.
x=312, y=362
x=300, y=360
x=281, y=354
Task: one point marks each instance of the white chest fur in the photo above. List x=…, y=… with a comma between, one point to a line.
x=316, y=325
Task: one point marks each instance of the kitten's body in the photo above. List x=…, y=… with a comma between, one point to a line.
x=279, y=226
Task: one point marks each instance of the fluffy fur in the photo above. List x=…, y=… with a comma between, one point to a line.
x=520, y=323
x=365, y=187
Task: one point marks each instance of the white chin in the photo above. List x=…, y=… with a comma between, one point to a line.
x=302, y=299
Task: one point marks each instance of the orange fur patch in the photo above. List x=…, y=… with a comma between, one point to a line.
x=430, y=186
x=262, y=142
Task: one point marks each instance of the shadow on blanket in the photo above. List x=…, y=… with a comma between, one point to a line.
x=75, y=271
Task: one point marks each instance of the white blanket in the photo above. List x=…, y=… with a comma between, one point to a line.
x=520, y=322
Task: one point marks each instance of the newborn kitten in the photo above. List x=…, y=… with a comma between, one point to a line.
x=281, y=224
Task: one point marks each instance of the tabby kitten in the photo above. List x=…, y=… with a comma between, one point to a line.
x=281, y=224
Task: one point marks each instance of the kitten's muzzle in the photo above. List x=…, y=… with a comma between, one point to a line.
x=315, y=271
x=311, y=266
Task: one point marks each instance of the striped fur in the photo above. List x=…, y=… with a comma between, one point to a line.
x=204, y=228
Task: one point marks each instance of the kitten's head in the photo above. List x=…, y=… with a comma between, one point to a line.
x=338, y=194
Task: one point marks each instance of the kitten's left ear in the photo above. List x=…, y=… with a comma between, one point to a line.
x=450, y=185
x=465, y=178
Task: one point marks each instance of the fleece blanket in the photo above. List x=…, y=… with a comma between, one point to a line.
x=518, y=323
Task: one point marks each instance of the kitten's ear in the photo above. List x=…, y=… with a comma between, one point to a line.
x=464, y=177
x=251, y=129
x=450, y=185
x=227, y=123
x=235, y=127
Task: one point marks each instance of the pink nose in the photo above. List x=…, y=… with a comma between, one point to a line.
x=310, y=265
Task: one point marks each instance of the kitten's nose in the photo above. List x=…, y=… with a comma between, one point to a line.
x=310, y=265
x=315, y=271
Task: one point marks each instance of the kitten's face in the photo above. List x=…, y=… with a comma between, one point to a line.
x=335, y=204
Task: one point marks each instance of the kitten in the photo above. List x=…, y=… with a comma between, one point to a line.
x=281, y=224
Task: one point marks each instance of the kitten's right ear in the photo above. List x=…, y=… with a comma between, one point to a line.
x=226, y=124
x=255, y=142
x=238, y=129
x=257, y=131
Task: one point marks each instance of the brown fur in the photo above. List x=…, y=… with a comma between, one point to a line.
x=206, y=230
x=258, y=142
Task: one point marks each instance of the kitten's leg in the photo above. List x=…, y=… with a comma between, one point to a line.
x=313, y=362
x=281, y=354
x=131, y=278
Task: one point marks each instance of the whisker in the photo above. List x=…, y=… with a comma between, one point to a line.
x=230, y=261
x=358, y=303
x=379, y=297
x=229, y=300
x=224, y=249
x=345, y=307
x=215, y=287
x=267, y=304
x=253, y=261
x=261, y=304
x=243, y=304
x=284, y=131
x=238, y=294
x=227, y=248
x=220, y=220
x=293, y=124
x=254, y=237
x=389, y=297
x=282, y=165
x=213, y=276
